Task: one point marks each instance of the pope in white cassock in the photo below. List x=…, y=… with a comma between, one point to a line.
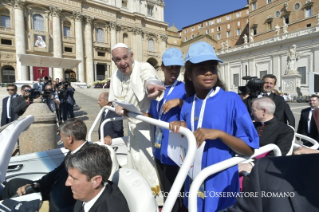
x=136, y=83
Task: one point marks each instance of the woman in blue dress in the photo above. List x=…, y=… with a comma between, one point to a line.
x=221, y=119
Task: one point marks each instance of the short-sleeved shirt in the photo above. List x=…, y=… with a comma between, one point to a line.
x=172, y=115
x=224, y=111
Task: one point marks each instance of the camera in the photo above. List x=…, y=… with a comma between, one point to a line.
x=33, y=94
x=47, y=93
x=253, y=86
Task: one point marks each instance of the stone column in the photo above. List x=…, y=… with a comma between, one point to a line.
x=57, y=38
x=78, y=17
x=51, y=73
x=89, y=49
x=95, y=71
x=20, y=39
x=113, y=26
x=138, y=50
x=163, y=45
x=31, y=73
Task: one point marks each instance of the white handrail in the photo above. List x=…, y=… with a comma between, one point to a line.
x=313, y=141
x=108, y=120
x=210, y=170
x=104, y=109
x=183, y=171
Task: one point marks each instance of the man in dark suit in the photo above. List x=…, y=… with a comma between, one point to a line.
x=21, y=103
x=279, y=184
x=89, y=170
x=307, y=125
x=270, y=81
x=113, y=129
x=7, y=116
x=52, y=185
x=38, y=86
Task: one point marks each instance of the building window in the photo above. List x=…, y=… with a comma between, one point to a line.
x=185, y=31
x=238, y=31
x=67, y=31
x=277, y=14
x=200, y=26
x=308, y=25
x=254, y=6
x=236, y=80
x=269, y=25
x=247, y=12
x=149, y=10
x=100, y=35
x=238, y=23
x=212, y=30
x=228, y=34
x=38, y=23
x=308, y=12
x=67, y=49
x=192, y=36
x=286, y=18
x=101, y=54
x=219, y=28
x=5, y=21
x=6, y=42
x=228, y=17
x=219, y=36
x=302, y=72
x=238, y=15
x=186, y=39
x=124, y=3
x=268, y=1
x=262, y=74
x=151, y=45
x=228, y=26
x=296, y=6
x=207, y=23
x=193, y=29
x=212, y=22
x=219, y=20
x=255, y=30
x=207, y=31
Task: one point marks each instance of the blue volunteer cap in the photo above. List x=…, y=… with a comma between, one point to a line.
x=200, y=52
x=173, y=56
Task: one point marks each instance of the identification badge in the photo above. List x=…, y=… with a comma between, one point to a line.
x=159, y=137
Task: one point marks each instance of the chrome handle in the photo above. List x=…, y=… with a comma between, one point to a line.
x=14, y=168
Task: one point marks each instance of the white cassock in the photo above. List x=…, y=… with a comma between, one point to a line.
x=132, y=89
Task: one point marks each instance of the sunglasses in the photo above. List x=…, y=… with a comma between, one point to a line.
x=27, y=90
x=11, y=89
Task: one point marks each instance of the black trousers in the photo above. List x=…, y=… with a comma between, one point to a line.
x=167, y=175
x=12, y=186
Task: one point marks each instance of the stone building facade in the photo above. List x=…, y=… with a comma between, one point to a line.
x=270, y=29
x=78, y=29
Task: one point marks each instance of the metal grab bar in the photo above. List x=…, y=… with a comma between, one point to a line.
x=188, y=160
x=313, y=141
x=210, y=170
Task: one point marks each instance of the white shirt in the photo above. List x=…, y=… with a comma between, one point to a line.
x=261, y=94
x=309, y=118
x=9, y=105
x=88, y=205
x=77, y=149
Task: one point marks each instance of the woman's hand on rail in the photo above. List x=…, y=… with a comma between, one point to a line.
x=174, y=126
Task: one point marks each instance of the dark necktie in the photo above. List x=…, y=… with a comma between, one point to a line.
x=82, y=208
x=103, y=116
x=265, y=95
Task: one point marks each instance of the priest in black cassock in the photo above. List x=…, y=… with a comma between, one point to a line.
x=269, y=128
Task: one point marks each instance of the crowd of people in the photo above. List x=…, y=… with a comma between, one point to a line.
x=57, y=95
x=221, y=120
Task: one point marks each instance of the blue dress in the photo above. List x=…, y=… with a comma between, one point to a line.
x=224, y=111
x=172, y=115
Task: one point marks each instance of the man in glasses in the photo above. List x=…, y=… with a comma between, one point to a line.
x=7, y=116
x=21, y=103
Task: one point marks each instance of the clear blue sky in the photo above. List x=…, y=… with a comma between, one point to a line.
x=186, y=12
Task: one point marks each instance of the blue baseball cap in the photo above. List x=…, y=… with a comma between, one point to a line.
x=200, y=52
x=173, y=57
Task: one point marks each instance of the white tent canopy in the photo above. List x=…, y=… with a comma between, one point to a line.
x=43, y=61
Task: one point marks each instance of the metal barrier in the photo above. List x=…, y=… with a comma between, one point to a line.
x=208, y=171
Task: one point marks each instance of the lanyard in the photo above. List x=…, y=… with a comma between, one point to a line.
x=211, y=93
x=164, y=101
